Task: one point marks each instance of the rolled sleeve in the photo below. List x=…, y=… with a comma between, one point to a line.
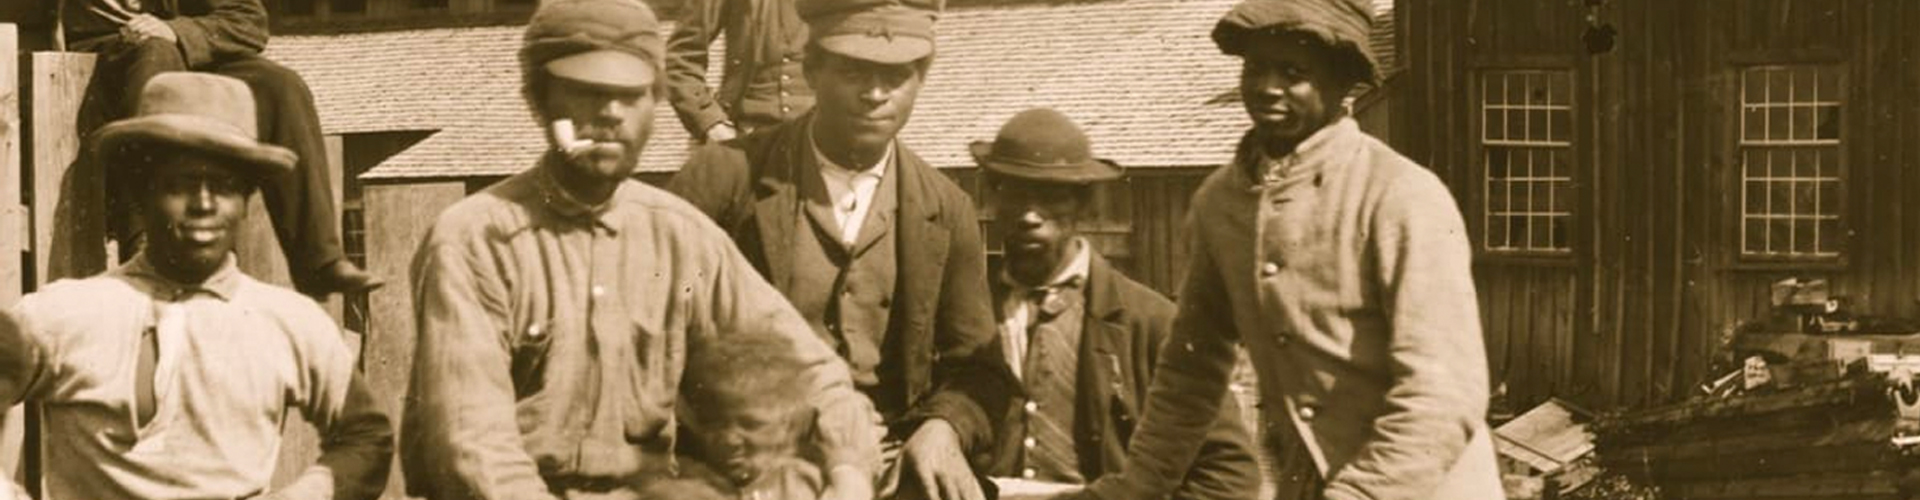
x=1440, y=386
x=356, y=435
x=459, y=437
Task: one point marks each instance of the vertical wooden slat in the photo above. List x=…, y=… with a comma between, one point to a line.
x=398, y=217
x=69, y=223
x=13, y=224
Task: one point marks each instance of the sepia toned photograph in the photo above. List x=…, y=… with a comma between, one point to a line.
x=960, y=249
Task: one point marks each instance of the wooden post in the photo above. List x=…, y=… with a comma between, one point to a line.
x=69, y=202
x=398, y=217
x=13, y=224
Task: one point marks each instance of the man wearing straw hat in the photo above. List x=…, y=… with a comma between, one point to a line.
x=170, y=376
x=1345, y=270
x=1082, y=338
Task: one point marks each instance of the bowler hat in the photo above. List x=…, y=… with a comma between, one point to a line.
x=882, y=31
x=609, y=43
x=1342, y=24
x=1042, y=145
x=195, y=111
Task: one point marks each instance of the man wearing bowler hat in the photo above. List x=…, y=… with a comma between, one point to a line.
x=880, y=252
x=170, y=376
x=1081, y=337
x=1345, y=270
x=557, y=308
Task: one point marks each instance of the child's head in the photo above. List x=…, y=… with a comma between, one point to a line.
x=748, y=402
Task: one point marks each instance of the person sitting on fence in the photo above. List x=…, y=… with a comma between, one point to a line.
x=137, y=39
x=1082, y=338
x=171, y=376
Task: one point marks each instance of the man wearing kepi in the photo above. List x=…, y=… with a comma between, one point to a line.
x=880, y=252
x=1344, y=268
x=556, y=309
x=1082, y=338
x=170, y=376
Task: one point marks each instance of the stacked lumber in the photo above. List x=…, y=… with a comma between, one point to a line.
x=1827, y=440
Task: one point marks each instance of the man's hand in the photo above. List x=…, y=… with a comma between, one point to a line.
x=146, y=26
x=934, y=453
x=847, y=482
x=721, y=132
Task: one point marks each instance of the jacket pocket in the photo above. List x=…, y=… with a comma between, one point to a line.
x=528, y=349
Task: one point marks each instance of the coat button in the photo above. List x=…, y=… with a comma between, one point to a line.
x=786, y=109
x=1307, y=412
x=1282, y=339
x=1269, y=269
x=1032, y=407
x=1029, y=473
x=786, y=78
x=1028, y=442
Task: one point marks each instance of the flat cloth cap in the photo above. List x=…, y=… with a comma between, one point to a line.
x=1342, y=24
x=882, y=31
x=610, y=43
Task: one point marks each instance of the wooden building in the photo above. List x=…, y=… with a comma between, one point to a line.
x=1635, y=173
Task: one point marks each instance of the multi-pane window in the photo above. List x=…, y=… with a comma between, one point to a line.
x=1790, y=171
x=1526, y=142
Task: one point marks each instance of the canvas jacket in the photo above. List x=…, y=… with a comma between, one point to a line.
x=1346, y=272
x=940, y=332
x=553, y=339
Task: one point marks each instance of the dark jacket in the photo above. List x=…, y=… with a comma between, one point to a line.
x=210, y=31
x=761, y=80
x=1125, y=328
x=940, y=334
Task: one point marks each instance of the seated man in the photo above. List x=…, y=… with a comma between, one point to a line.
x=137, y=39
x=170, y=376
x=1082, y=338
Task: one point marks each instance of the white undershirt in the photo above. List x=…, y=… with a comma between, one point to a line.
x=851, y=190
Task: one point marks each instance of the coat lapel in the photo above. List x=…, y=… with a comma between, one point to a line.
x=777, y=207
x=1105, y=351
x=923, y=234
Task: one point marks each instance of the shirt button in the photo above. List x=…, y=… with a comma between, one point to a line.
x=1269, y=269
x=1307, y=412
x=599, y=290
x=786, y=109
x=535, y=331
x=1029, y=473
x=1029, y=442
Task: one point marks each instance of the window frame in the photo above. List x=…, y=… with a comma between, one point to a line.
x=1574, y=150
x=1735, y=214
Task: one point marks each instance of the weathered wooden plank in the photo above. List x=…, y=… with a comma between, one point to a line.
x=13, y=224
x=69, y=205
x=398, y=217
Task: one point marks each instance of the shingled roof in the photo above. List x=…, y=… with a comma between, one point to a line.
x=1140, y=75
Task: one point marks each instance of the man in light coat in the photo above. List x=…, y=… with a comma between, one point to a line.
x=1345, y=270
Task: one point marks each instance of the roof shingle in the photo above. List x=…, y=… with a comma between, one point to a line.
x=1141, y=76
